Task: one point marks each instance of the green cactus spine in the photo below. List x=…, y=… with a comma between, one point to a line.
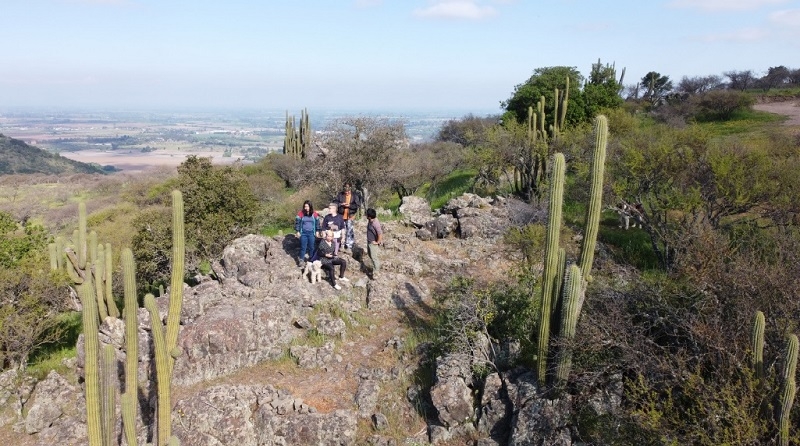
x=52, y=251
x=757, y=345
x=176, y=280
x=109, y=386
x=91, y=346
x=788, y=390
x=569, y=321
x=130, y=399
x=99, y=271
x=551, y=262
x=162, y=358
x=595, y=197
x=113, y=311
x=81, y=239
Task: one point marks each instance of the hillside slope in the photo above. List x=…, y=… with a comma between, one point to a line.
x=17, y=157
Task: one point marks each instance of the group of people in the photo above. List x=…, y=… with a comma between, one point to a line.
x=336, y=234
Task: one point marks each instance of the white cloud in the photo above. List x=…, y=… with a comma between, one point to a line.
x=723, y=5
x=456, y=9
x=789, y=17
x=745, y=35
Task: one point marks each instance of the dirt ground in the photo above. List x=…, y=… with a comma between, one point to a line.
x=134, y=162
x=787, y=108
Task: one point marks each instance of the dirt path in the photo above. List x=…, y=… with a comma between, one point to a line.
x=786, y=108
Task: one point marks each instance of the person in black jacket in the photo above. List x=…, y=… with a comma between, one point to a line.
x=330, y=260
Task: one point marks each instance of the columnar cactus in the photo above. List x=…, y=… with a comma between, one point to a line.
x=101, y=424
x=91, y=346
x=130, y=398
x=297, y=142
x=595, y=196
x=552, y=293
x=788, y=390
x=551, y=261
x=569, y=320
x=757, y=345
x=109, y=387
x=176, y=279
x=163, y=411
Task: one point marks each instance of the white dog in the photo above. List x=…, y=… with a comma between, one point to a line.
x=314, y=271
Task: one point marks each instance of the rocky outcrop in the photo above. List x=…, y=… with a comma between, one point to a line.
x=258, y=416
x=257, y=308
x=466, y=216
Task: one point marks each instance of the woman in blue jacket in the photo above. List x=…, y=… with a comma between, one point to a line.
x=306, y=225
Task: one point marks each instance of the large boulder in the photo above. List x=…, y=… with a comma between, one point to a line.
x=258, y=416
x=416, y=211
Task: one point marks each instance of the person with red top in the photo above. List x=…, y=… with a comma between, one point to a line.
x=349, y=202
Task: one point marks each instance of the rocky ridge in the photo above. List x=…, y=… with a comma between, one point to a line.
x=271, y=359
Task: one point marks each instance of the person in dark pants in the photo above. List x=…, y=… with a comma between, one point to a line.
x=306, y=225
x=349, y=202
x=325, y=252
x=374, y=240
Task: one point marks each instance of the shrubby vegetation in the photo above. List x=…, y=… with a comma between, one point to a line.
x=671, y=304
x=31, y=298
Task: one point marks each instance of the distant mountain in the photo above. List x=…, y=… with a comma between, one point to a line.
x=18, y=157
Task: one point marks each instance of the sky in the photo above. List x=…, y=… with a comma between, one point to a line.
x=365, y=54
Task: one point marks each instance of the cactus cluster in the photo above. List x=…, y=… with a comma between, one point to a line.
x=297, y=142
x=788, y=389
x=533, y=170
x=87, y=261
x=101, y=385
x=563, y=288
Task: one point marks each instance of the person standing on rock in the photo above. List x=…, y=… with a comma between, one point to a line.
x=374, y=240
x=334, y=222
x=306, y=225
x=349, y=202
x=329, y=260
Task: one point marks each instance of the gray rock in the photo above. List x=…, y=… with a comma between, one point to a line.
x=366, y=397
x=416, y=211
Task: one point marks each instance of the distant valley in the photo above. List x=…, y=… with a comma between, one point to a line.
x=134, y=141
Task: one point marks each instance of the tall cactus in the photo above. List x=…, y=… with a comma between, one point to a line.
x=164, y=419
x=176, y=279
x=551, y=261
x=757, y=345
x=109, y=388
x=595, y=197
x=91, y=348
x=130, y=399
x=100, y=424
x=297, y=141
x=788, y=390
x=553, y=297
x=573, y=288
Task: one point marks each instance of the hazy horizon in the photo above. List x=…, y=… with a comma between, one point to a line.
x=365, y=54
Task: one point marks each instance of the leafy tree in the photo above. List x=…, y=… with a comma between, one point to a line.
x=603, y=90
x=544, y=82
x=740, y=80
x=16, y=244
x=467, y=131
x=361, y=150
x=30, y=297
x=219, y=206
x=424, y=164
x=775, y=77
x=721, y=104
x=656, y=87
x=699, y=84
